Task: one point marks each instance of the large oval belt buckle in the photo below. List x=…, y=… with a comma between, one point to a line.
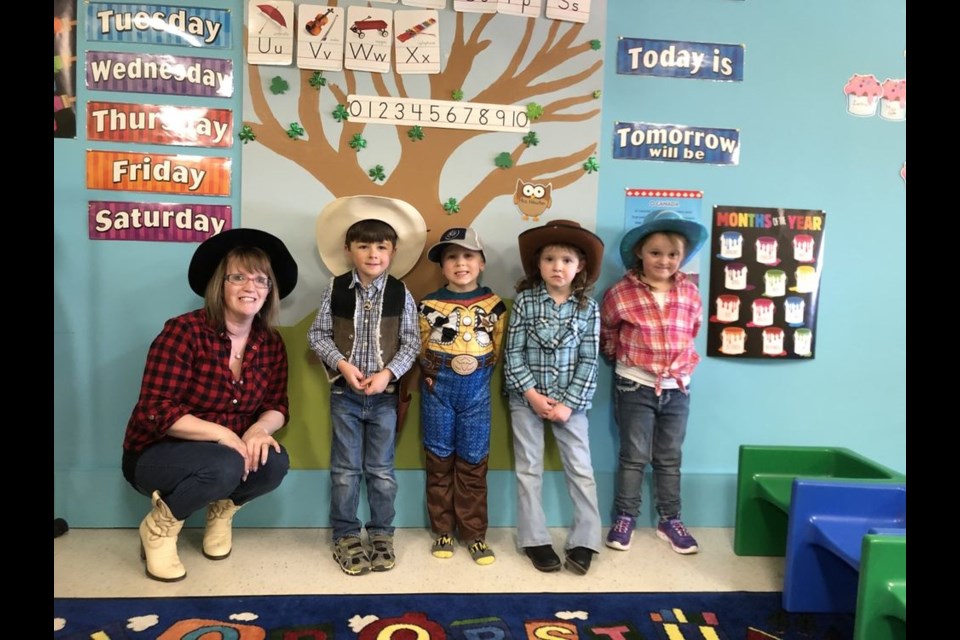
x=464, y=364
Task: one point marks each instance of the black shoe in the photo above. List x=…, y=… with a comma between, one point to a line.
x=544, y=558
x=578, y=560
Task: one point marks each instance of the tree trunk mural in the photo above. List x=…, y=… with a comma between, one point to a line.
x=527, y=74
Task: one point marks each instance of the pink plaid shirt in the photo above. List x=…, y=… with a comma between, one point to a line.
x=636, y=332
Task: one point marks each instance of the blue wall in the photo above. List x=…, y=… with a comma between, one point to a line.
x=800, y=149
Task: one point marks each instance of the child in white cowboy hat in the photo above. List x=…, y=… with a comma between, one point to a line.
x=197, y=438
x=461, y=329
x=649, y=319
x=366, y=334
x=550, y=364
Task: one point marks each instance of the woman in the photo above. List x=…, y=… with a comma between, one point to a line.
x=213, y=395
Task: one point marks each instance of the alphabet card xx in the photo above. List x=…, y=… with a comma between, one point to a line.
x=417, y=41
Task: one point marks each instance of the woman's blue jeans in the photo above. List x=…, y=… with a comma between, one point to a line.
x=652, y=429
x=190, y=475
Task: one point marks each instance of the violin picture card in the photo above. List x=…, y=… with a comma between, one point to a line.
x=320, y=37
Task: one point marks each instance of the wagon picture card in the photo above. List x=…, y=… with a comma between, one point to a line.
x=765, y=268
x=369, y=39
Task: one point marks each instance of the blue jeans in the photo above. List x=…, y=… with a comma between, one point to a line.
x=574, y=445
x=455, y=414
x=190, y=475
x=652, y=429
x=364, y=430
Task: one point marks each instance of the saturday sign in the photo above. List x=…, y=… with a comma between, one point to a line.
x=159, y=24
x=700, y=60
x=156, y=221
x=159, y=124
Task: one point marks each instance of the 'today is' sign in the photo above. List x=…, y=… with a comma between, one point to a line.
x=700, y=60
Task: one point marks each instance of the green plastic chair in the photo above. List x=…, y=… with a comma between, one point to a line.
x=765, y=477
x=882, y=589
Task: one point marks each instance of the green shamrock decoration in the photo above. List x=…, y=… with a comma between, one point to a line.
x=247, y=134
x=317, y=80
x=457, y=94
x=377, y=173
x=503, y=160
x=596, y=94
x=451, y=206
x=531, y=139
x=278, y=85
x=591, y=165
x=340, y=113
x=295, y=130
x=415, y=133
x=357, y=142
x=534, y=111
x=595, y=45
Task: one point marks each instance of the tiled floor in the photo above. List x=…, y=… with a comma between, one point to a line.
x=106, y=562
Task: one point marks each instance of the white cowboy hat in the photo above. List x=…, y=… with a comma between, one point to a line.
x=336, y=217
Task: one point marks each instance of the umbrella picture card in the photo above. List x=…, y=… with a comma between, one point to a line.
x=270, y=32
x=765, y=270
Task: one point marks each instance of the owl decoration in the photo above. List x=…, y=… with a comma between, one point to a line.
x=532, y=199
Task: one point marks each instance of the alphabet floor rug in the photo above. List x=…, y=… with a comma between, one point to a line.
x=527, y=616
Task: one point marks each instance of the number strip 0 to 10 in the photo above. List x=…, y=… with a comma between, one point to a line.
x=447, y=114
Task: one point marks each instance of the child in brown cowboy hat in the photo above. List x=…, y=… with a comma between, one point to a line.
x=366, y=333
x=551, y=359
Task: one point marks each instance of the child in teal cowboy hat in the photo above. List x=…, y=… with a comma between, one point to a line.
x=648, y=321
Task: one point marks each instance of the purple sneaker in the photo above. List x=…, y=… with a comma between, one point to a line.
x=673, y=531
x=621, y=532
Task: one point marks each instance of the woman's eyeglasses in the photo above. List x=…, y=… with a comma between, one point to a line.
x=260, y=282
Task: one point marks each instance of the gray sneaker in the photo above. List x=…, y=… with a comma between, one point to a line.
x=349, y=553
x=382, y=557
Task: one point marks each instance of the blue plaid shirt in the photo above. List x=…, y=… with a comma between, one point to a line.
x=367, y=342
x=553, y=348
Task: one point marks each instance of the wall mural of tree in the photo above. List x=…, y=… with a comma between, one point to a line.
x=449, y=175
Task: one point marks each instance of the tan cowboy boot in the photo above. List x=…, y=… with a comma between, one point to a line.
x=218, y=536
x=158, y=542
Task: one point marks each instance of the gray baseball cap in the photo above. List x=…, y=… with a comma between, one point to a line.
x=464, y=237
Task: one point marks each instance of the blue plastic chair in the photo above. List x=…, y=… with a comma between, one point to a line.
x=825, y=530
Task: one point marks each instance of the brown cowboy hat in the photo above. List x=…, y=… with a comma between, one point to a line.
x=211, y=251
x=561, y=232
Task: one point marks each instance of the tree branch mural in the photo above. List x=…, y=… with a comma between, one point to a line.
x=530, y=71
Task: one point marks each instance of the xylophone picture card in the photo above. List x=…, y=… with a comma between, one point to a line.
x=417, y=41
x=765, y=269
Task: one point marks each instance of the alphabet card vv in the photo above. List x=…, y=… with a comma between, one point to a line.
x=270, y=32
x=369, y=39
x=320, y=37
x=417, y=41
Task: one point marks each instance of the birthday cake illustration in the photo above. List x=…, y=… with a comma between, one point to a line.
x=767, y=250
x=775, y=283
x=773, y=342
x=731, y=245
x=728, y=308
x=735, y=276
x=802, y=342
x=793, y=308
x=806, y=279
x=863, y=93
x=733, y=340
x=803, y=248
x=762, y=313
x=893, y=102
